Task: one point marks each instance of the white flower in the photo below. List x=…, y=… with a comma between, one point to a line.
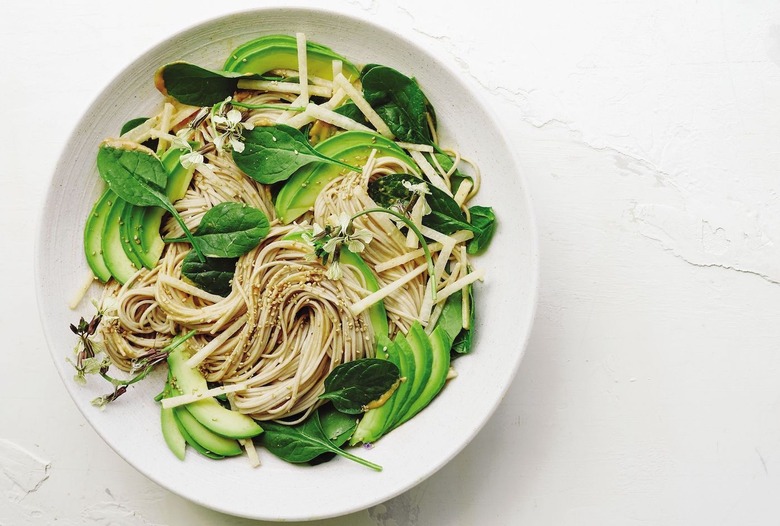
x=191, y=159
x=233, y=117
x=343, y=222
x=419, y=188
x=334, y=271
x=331, y=244
x=181, y=140
x=358, y=241
x=227, y=128
x=236, y=145
x=219, y=141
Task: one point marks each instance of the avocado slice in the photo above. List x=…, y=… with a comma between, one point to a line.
x=281, y=52
x=440, y=344
x=352, y=147
x=226, y=447
x=402, y=395
x=142, y=224
x=170, y=428
x=208, y=411
x=374, y=422
x=192, y=442
x=422, y=356
x=93, y=233
x=113, y=244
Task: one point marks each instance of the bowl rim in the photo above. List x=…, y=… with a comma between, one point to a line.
x=442, y=61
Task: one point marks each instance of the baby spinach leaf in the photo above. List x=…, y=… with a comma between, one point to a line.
x=274, y=153
x=337, y=426
x=304, y=442
x=400, y=102
x=229, y=230
x=451, y=321
x=194, y=85
x=389, y=191
x=136, y=175
x=353, y=385
x=446, y=216
x=451, y=317
x=483, y=224
x=212, y=275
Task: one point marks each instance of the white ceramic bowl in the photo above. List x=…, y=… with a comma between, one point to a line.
x=505, y=302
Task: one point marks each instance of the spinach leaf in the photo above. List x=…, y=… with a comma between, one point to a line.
x=337, y=426
x=446, y=216
x=451, y=317
x=389, y=191
x=400, y=102
x=136, y=175
x=194, y=85
x=213, y=275
x=304, y=442
x=483, y=224
x=351, y=110
x=464, y=341
x=353, y=385
x=451, y=321
x=274, y=153
x=229, y=230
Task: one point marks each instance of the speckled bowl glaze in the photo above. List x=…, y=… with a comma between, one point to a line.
x=505, y=301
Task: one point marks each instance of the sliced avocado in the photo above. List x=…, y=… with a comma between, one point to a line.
x=402, y=395
x=170, y=428
x=352, y=147
x=226, y=447
x=192, y=442
x=422, y=354
x=208, y=411
x=173, y=437
x=113, y=244
x=376, y=312
x=93, y=234
x=142, y=224
x=281, y=52
x=440, y=366
x=372, y=426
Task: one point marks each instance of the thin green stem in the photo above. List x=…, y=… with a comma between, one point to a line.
x=267, y=106
x=187, y=232
x=364, y=462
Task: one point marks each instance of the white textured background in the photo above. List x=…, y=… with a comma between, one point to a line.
x=649, y=132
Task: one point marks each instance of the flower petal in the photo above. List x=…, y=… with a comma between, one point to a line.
x=233, y=117
x=237, y=145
